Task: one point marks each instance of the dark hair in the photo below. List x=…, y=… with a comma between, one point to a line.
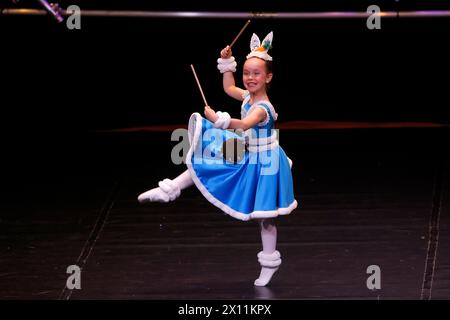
x=269, y=66
x=269, y=69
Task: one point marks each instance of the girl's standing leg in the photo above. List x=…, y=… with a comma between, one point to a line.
x=269, y=257
x=168, y=190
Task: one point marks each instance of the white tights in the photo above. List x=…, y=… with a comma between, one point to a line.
x=269, y=257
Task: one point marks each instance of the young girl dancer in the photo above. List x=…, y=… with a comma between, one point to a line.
x=255, y=184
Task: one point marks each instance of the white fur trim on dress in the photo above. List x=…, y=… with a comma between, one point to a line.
x=270, y=260
x=260, y=141
x=195, y=129
x=265, y=147
x=225, y=65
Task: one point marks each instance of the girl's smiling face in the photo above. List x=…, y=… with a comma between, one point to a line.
x=255, y=76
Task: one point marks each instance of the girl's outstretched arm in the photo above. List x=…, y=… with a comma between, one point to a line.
x=256, y=116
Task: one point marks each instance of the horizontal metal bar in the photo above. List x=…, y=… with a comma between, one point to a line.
x=23, y=12
x=237, y=15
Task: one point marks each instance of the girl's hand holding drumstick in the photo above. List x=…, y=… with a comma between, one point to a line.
x=210, y=114
x=226, y=52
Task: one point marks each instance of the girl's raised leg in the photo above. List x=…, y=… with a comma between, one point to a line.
x=168, y=190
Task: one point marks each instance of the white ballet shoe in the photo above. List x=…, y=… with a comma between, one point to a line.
x=153, y=195
x=270, y=263
x=167, y=191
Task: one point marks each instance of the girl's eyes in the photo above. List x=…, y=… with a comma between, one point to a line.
x=255, y=74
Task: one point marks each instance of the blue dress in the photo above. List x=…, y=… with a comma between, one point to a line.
x=259, y=185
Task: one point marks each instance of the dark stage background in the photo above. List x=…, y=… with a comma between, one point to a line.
x=70, y=179
x=61, y=86
x=119, y=72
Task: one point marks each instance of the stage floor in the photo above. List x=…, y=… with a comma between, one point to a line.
x=366, y=197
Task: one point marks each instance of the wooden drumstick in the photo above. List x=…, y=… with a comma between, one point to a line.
x=199, y=86
x=240, y=32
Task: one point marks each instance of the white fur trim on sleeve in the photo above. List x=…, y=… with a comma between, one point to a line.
x=225, y=65
x=223, y=121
